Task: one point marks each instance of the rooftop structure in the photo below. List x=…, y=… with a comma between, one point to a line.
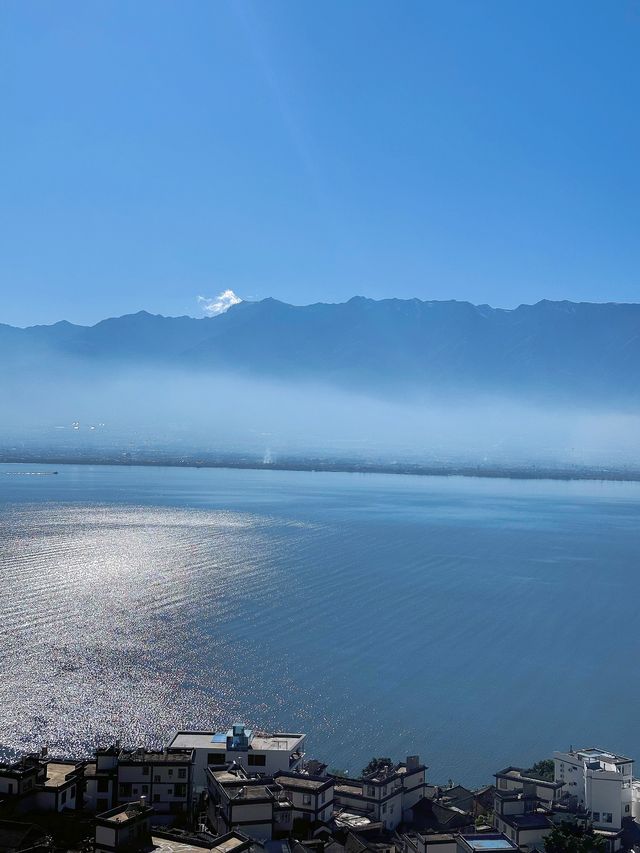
x=143, y=756
x=256, y=752
x=601, y=759
x=599, y=781
x=232, y=842
x=126, y=827
x=485, y=843
x=384, y=796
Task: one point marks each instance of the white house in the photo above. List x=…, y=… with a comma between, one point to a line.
x=36, y=782
x=601, y=781
x=385, y=796
x=126, y=827
x=250, y=805
x=266, y=754
x=101, y=780
x=164, y=779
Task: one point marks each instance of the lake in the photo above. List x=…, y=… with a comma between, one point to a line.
x=476, y=622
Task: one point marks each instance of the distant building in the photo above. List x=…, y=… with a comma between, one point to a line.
x=515, y=779
x=124, y=828
x=101, y=780
x=600, y=781
x=250, y=805
x=432, y=842
x=386, y=796
x=311, y=797
x=257, y=753
x=527, y=829
x=164, y=778
x=39, y=783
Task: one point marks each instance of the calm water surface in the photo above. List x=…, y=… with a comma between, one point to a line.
x=476, y=622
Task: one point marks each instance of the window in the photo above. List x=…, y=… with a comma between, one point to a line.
x=384, y=809
x=10, y=788
x=171, y=771
x=215, y=758
x=372, y=791
x=73, y=791
x=384, y=791
x=124, y=789
x=256, y=760
x=306, y=799
x=596, y=816
x=145, y=770
x=156, y=777
x=145, y=789
x=63, y=798
x=156, y=798
x=502, y=783
x=182, y=773
x=103, y=786
x=626, y=808
x=179, y=790
x=607, y=817
x=322, y=797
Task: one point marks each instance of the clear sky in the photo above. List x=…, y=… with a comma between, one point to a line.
x=310, y=150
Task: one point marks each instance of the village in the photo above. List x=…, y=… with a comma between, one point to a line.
x=239, y=790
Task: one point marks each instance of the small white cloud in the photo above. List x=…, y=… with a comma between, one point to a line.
x=219, y=304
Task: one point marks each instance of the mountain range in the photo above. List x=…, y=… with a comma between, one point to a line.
x=575, y=352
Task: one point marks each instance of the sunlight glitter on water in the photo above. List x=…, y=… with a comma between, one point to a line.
x=373, y=613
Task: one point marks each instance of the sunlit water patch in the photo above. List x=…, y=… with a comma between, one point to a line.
x=382, y=615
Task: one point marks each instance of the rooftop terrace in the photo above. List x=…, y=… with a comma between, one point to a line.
x=211, y=740
x=57, y=774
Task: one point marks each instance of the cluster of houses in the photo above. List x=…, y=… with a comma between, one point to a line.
x=238, y=790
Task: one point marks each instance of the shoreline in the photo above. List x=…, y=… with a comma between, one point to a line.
x=332, y=466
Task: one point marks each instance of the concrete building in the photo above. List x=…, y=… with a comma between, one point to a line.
x=37, y=782
x=386, y=796
x=124, y=828
x=432, y=842
x=20, y=777
x=165, y=779
x=101, y=780
x=515, y=779
x=263, y=807
x=257, y=753
x=61, y=787
x=311, y=797
x=253, y=806
x=527, y=830
x=600, y=781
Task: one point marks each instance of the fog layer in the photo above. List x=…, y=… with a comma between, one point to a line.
x=269, y=419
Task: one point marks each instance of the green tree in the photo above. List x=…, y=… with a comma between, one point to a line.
x=542, y=770
x=569, y=838
x=377, y=765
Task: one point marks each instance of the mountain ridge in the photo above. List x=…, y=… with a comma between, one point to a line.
x=576, y=351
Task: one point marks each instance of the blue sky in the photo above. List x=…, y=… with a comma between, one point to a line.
x=154, y=152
